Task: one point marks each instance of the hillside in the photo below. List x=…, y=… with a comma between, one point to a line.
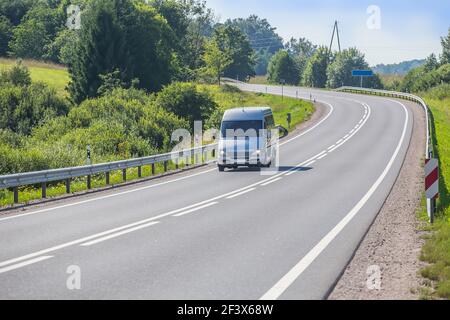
x=54, y=75
x=401, y=68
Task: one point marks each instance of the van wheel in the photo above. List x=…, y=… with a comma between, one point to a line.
x=221, y=168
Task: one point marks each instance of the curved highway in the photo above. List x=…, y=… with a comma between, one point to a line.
x=239, y=234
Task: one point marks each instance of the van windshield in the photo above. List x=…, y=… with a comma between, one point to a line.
x=246, y=125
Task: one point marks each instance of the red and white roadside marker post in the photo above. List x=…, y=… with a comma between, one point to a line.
x=431, y=185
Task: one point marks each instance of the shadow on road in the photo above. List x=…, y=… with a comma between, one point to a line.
x=274, y=169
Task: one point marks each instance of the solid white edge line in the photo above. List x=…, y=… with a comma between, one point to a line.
x=195, y=209
x=241, y=193
x=322, y=156
x=118, y=234
x=285, y=282
x=24, y=264
x=310, y=163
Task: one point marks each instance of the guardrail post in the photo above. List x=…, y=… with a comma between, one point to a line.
x=186, y=164
x=16, y=194
x=124, y=174
x=165, y=166
x=89, y=182
x=67, y=185
x=44, y=190
x=176, y=164
x=153, y=169
x=140, y=172
x=107, y=177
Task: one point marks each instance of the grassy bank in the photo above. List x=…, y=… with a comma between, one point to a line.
x=300, y=110
x=436, y=250
x=259, y=80
x=225, y=97
x=55, y=76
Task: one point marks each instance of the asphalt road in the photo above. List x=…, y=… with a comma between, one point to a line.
x=209, y=235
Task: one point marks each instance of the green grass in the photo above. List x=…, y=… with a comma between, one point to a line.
x=259, y=80
x=391, y=81
x=53, y=75
x=436, y=250
x=300, y=110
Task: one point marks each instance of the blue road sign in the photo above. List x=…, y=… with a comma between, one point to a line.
x=362, y=73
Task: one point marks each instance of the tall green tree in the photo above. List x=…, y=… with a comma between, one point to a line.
x=445, y=41
x=431, y=63
x=35, y=33
x=191, y=22
x=283, y=68
x=216, y=60
x=315, y=74
x=232, y=41
x=101, y=50
x=301, y=50
x=5, y=35
x=15, y=10
x=263, y=39
x=339, y=72
x=123, y=35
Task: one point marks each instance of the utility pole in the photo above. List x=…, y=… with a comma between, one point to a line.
x=335, y=31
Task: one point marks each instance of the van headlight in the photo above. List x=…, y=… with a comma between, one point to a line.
x=222, y=152
x=257, y=152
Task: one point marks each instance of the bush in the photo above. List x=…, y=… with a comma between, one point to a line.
x=18, y=75
x=184, y=100
x=420, y=80
x=22, y=108
x=282, y=67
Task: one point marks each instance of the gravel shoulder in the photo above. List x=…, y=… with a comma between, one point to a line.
x=393, y=242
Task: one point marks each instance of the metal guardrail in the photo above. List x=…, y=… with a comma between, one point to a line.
x=429, y=151
x=401, y=95
x=66, y=174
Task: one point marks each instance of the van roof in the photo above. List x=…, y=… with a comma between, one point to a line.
x=247, y=113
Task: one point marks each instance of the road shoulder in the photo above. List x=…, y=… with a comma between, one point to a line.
x=393, y=242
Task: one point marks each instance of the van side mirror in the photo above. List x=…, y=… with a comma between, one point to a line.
x=283, y=131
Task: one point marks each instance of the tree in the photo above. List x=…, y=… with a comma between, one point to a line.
x=445, y=41
x=18, y=75
x=185, y=101
x=231, y=40
x=191, y=21
x=216, y=60
x=282, y=68
x=15, y=10
x=431, y=63
x=301, y=50
x=125, y=35
x=63, y=48
x=5, y=34
x=315, y=74
x=263, y=39
x=110, y=82
x=101, y=50
x=24, y=104
x=35, y=33
x=339, y=72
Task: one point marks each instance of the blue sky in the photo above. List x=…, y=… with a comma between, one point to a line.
x=409, y=29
